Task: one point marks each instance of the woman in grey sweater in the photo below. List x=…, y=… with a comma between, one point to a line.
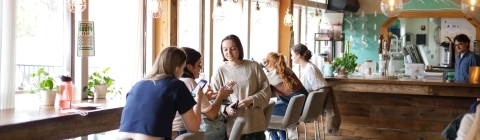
x=252, y=90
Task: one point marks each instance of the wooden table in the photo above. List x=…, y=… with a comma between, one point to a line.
x=399, y=109
x=48, y=122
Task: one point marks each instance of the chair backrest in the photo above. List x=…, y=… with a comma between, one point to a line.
x=237, y=129
x=268, y=111
x=314, y=106
x=191, y=136
x=293, y=111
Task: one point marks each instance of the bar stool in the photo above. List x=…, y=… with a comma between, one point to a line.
x=237, y=129
x=291, y=117
x=314, y=106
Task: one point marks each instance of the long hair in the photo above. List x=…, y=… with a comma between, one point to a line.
x=166, y=63
x=278, y=61
x=237, y=42
x=192, y=57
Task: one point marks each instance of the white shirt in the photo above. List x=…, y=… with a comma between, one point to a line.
x=312, y=78
x=465, y=125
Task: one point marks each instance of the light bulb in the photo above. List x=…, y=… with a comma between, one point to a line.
x=218, y=14
x=155, y=8
x=391, y=8
x=288, y=19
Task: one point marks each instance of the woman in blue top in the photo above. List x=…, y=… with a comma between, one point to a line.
x=152, y=103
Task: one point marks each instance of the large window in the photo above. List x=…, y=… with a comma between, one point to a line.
x=118, y=39
x=40, y=43
x=189, y=24
x=264, y=29
x=232, y=24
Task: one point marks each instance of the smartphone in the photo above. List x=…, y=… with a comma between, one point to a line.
x=199, y=86
x=229, y=84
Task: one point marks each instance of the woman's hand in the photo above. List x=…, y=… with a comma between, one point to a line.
x=210, y=95
x=230, y=111
x=223, y=93
x=199, y=95
x=245, y=103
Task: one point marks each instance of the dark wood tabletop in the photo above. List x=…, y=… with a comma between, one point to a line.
x=49, y=122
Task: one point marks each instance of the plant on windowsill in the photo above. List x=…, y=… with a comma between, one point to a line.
x=44, y=84
x=345, y=65
x=98, y=84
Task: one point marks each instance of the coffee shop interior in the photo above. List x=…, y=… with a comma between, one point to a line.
x=401, y=85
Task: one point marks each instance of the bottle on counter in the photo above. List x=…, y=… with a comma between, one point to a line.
x=66, y=91
x=391, y=67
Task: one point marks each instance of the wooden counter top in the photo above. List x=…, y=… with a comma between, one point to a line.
x=402, y=82
x=404, y=86
x=48, y=122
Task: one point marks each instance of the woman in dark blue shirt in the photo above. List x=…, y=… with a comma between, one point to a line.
x=152, y=103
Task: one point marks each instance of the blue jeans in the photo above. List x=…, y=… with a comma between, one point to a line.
x=277, y=134
x=214, y=129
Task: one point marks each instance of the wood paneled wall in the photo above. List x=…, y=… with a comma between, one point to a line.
x=387, y=116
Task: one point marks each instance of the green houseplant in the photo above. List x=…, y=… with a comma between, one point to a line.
x=44, y=84
x=345, y=65
x=98, y=84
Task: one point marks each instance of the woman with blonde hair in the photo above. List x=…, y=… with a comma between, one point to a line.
x=284, y=83
x=152, y=103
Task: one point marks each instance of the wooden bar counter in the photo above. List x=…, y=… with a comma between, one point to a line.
x=399, y=109
x=48, y=122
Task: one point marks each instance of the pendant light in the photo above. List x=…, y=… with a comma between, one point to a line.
x=77, y=6
x=288, y=19
x=218, y=14
x=470, y=7
x=391, y=8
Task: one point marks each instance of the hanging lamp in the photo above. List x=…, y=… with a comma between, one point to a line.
x=77, y=6
x=218, y=14
x=155, y=9
x=391, y=8
x=470, y=7
x=288, y=19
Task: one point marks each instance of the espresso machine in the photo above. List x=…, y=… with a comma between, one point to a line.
x=447, y=56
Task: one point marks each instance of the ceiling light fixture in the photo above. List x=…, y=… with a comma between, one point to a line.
x=77, y=6
x=391, y=8
x=155, y=8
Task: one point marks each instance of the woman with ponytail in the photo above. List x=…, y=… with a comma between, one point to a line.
x=284, y=83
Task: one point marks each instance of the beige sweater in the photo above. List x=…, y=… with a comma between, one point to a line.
x=250, y=82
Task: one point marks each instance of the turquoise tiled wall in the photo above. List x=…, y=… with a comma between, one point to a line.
x=369, y=50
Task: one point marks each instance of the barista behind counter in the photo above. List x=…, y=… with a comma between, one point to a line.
x=465, y=58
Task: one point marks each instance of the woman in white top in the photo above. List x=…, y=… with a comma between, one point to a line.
x=470, y=126
x=310, y=76
x=209, y=110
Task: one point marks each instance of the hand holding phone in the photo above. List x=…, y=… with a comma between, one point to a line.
x=235, y=106
x=199, y=86
x=230, y=84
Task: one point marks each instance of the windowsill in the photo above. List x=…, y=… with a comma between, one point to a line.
x=20, y=120
x=21, y=91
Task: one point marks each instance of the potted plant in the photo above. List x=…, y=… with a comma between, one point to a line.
x=344, y=65
x=98, y=84
x=44, y=84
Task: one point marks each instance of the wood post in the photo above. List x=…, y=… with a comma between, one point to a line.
x=166, y=26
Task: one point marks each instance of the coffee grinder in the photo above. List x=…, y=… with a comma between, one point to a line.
x=447, y=58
